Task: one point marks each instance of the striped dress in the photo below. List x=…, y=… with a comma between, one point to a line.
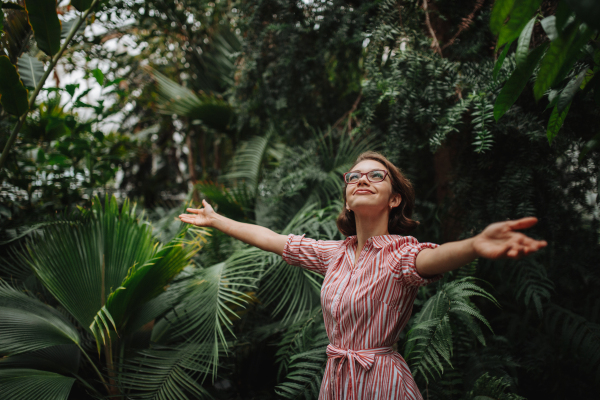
x=365, y=307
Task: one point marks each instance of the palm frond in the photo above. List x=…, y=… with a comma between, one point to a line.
x=165, y=374
x=429, y=341
x=147, y=281
x=302, y=357
x=205, y=314
x=247, y=162
x=489, y=387
x=579, y=336
x=213, y=111
x=533, y=284
x=30, y=325
x=31, y=384
x=63, y=359
x=82, y=265
x=296, y=290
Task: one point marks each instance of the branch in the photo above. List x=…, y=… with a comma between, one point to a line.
x=466, y=22
x=349, y=114
x=435, y=45
x=53, y=62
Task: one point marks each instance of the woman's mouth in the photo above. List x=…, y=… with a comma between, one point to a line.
x=362, y=191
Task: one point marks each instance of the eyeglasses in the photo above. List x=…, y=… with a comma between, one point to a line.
x=374, y=176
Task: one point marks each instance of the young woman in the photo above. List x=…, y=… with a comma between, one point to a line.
x=372, y=277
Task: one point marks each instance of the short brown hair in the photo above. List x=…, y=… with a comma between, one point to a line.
x=400, y=222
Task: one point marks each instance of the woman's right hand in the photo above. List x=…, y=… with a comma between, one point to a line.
x=203, y=216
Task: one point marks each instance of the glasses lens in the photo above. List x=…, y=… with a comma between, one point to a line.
x=376, y=176
x=352, y=177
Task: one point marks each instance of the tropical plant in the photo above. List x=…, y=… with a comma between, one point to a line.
x=46, y=26
x=103, y=271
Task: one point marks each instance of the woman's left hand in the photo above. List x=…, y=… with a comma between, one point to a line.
x=501, y=240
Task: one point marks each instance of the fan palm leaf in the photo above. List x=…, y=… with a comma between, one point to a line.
x=29, y=325
x=30, y=384
x=81, y=265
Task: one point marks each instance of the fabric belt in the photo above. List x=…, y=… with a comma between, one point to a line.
x=365, y=358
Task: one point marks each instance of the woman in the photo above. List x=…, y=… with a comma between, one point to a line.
x=372, y=277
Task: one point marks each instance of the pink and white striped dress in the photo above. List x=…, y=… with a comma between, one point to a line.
x=365, y=307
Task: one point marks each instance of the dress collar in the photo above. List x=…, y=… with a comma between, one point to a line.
x=378, y=241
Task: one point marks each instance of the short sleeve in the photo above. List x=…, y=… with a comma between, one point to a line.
x=311, y=254
x=404, y=262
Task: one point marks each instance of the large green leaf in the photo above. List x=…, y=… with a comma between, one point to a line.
x=81, y=5
x=561, y=55
x=500, y=12
x=556, y=122
x=517, y=81
x=13, y=95
x=523, y=43
x=31, y=384
x=500, y=61
x=567, y=94
x=521, y=13
x=149, y=280
x=31, y=70
x=29, y=325
x=68, y=25
x=82, y=264
x=45, y=24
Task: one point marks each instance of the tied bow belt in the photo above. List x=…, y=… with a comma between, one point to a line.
x=365, y=358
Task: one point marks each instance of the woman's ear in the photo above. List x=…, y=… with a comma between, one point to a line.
x=395, y=200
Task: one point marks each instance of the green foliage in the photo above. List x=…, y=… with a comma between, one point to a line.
x=429, y=339
x=13, y=94
x=301, y=356
x=45, y=24
x=21, y=384
x=31, y=70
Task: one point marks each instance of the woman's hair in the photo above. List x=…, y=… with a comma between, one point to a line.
x=400, y=222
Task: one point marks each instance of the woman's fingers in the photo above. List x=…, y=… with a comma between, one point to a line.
x=522, y=223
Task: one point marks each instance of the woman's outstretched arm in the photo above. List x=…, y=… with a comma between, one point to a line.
x=254, y=235
x=498, y=240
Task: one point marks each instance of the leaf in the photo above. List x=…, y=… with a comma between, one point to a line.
x=500, y=61
x=100, y=252
x=586, y=10
x=81, y=5
x=561, y=54
x=29, y=325
x=99, y=76
x=31, y=70
x=549, y=25
x=68, y=25
x=500, y=12
x=524, y=40
x=1, y=21
x=45, y=24
x=555, y=122
x=31, y=384
x=517, y=81
x=71, y=88
x=519, y=16
x=13, y=95
x=567, y=94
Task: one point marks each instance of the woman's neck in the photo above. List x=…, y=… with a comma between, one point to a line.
x=368, y=226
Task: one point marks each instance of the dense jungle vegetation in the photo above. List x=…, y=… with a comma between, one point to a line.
x=116, y=114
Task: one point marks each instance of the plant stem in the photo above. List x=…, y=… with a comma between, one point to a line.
x=53, y=62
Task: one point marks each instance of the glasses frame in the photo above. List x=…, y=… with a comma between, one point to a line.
x=385, y=173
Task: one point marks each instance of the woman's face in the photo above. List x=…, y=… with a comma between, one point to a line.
x=366, y=197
